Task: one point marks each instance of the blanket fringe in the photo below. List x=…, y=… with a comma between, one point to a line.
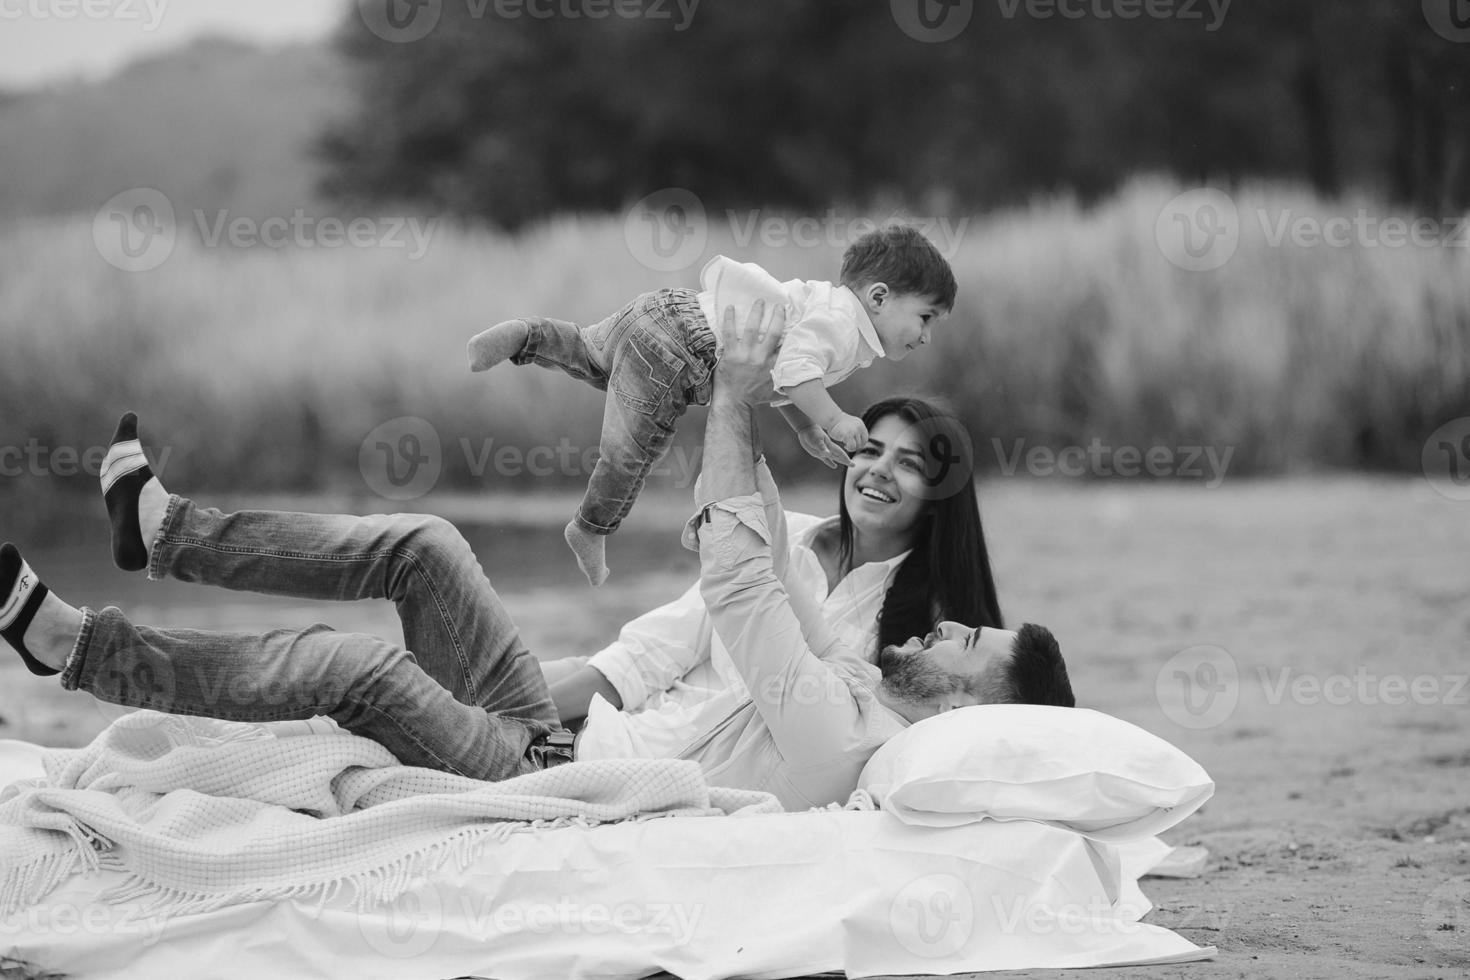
x=370, y=889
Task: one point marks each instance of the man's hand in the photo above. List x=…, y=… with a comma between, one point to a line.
x=744, y=370
x=819, y=444
x=850, y=432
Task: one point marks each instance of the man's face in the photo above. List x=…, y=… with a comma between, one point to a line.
x=919, y=671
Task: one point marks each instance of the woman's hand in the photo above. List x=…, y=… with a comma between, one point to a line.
x=744, y=370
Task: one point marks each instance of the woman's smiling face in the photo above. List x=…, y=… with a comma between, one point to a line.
x=885, y=488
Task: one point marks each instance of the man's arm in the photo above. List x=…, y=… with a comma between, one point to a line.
x=811, y=712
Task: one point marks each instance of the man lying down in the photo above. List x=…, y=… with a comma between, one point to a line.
x=470, y=698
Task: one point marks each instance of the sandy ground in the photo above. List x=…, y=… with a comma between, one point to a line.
x=1305, y=640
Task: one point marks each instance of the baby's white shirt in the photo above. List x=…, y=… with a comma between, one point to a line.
x=828, y=333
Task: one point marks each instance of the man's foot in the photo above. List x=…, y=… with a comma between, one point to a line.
x=590, y=551
x=502, y=341
x=135, y=499
x=28, y=611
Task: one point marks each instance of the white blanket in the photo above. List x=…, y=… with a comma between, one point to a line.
x=202, y=814
x=765, y=896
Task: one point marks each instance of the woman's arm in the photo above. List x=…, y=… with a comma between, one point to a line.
x=573, y=695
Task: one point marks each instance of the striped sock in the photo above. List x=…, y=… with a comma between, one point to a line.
x=20, y=596
x=125, y=470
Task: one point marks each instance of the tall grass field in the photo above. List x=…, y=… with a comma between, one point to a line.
x=265, y=368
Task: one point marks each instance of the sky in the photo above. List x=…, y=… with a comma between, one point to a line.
x=45, y=41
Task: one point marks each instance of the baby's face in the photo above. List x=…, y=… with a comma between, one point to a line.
x=903, y=320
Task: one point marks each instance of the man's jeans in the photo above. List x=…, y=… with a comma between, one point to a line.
x=467, y=699
x=654, y=358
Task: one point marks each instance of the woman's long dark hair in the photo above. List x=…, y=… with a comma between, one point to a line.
x=947, y=574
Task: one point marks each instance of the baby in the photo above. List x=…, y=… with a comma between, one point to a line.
x=656, y=357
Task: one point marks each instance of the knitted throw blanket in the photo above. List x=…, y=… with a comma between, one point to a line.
x=201, y=814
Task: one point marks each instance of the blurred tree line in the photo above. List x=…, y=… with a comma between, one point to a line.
x=805, y=103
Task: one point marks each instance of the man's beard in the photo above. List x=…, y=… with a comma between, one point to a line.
x=912, y=676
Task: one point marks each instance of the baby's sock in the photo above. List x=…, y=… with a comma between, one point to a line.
x=590, y=550
x=502, y=341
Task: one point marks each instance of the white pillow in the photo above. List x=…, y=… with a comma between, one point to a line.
x=1073, y=768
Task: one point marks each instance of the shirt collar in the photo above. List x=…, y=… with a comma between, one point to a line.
x=866, y=330
x=806, y=536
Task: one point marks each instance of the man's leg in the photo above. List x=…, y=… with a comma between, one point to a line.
x=370, y=687
x=453, y=621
